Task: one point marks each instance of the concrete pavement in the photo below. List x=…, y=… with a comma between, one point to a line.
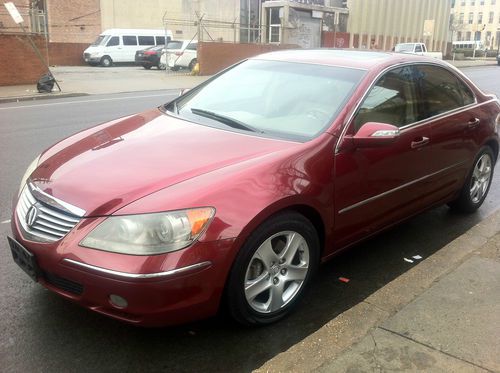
x=443, y=315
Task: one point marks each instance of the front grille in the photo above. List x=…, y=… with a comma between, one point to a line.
x=63, y=283
x=86, y=55
x=41, y=220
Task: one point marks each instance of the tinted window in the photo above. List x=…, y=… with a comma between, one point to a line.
x=391, y=100
x=192, y=46
x=115, y=40
x=418, y=49
x=160, y=40
x=440, y=91
x=146, y=40
x=129, y=40
x=467, y=94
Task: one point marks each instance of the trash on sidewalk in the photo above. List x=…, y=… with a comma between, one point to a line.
x=417, y=257
x=408, y=260
x=344, y=279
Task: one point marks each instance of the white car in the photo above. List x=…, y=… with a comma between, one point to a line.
x=180, y=54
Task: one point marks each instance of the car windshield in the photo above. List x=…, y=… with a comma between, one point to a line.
x=174, y=45
x=295, y=101
x=101, y=40
x=404, y=48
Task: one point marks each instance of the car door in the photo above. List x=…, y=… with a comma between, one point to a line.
x=129, y=48
x=375, y=187
x=448, y=108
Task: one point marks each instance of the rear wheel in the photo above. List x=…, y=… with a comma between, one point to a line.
x=477, y=184
x=147, y=67
x=106, y=61
x=272, y=270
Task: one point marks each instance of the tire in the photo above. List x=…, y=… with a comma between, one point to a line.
x=147, y=67
x=174, y=68
x=192, y=64
x=477, y=184
x=106, y=61
x=261, y=262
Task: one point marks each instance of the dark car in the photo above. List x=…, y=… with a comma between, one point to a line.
x=232, y=194
x=150, y=57
x=498, y=59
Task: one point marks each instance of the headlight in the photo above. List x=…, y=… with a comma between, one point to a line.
x=28, y=172
x=149, y=234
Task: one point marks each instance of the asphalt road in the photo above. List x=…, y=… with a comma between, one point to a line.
x=42, y=332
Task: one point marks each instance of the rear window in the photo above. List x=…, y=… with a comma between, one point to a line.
x=129, y=40
x=146, y=40
x=174, y=45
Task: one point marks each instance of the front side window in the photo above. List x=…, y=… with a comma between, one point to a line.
x=114, y=41
x=391, y=100
x=280, y=99
x=129, y=40
x=441, y=91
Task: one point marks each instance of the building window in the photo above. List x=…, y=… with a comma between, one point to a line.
x=467, y=35
x=459, y=35
x=481, y=2
x=480, y=18
x=472, y=2
x=491, y=16
x=493, y=2
x=471, y=18
x=274, y=25
x=461, y=18
x=462, y=3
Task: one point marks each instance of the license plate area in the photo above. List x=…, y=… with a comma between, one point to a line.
x=24, y=259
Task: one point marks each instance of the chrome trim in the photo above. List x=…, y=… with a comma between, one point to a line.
x=140, y=275
x=385, y=133
x=54, y=202
x=368, y=200
x=449, y=68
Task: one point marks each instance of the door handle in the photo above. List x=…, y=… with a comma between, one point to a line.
x=418, y=143
x=473, y=123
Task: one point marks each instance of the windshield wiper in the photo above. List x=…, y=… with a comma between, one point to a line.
x=226, y=120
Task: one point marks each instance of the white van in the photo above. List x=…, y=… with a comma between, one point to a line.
x=120, y=45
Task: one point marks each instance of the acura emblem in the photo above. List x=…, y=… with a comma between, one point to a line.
x=31, y=216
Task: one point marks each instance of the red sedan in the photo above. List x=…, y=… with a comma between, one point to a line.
x=233, y=193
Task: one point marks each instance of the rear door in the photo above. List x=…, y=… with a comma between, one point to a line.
x=375, y=187
x=448, y=108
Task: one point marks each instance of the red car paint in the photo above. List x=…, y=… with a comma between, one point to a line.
x=153, y=162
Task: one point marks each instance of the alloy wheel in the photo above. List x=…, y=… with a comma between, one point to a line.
x=480, y=178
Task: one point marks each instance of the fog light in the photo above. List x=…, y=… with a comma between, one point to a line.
x=118, y=301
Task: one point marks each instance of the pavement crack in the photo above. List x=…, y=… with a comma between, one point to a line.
x=435, y=349
x=376, y=367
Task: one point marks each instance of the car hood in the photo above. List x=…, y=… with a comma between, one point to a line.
x=107, y=167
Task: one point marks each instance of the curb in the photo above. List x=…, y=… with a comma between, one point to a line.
x=4, y=100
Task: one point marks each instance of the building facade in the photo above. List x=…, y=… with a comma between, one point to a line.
x=477, y=20
x=381, y=24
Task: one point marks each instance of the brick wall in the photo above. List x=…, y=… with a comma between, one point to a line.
x=67, y=54
x=73, y=21
x=18, y=62
x=214, y=57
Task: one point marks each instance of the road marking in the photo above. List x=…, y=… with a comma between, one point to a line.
x=83, y=101
x=5, y=221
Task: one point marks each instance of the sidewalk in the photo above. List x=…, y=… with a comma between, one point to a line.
x=441, y=316
x=87, y=80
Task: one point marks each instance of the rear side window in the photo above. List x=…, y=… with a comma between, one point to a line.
x=440, y=91
x=192, y=46
x=129, y=40
x=467, y=94
x=160, y=40
x=391, y=100
x=115, y=40
x=146, y=40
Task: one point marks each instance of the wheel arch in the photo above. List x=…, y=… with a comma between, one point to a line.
x=493, y=144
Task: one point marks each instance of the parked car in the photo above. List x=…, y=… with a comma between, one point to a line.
x=120, y=45
x=181, y=54
x=418, y=49
x=232, y=194
x=498, y=59
x=150, y=57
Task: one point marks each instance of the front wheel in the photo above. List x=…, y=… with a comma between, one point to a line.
x=106, y=61
x=272, y=270
x=477, y=184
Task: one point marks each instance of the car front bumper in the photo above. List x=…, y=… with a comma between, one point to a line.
x=159, y=290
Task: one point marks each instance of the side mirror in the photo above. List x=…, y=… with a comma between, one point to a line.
x=184, y=90
x=374, y=134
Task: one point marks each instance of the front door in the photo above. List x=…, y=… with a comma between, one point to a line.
x=375, y=187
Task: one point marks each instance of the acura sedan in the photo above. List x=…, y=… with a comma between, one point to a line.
x=232, y=194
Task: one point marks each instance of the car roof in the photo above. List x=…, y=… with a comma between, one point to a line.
x=353, y=58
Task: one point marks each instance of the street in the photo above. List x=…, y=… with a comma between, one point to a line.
x=43, y=332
